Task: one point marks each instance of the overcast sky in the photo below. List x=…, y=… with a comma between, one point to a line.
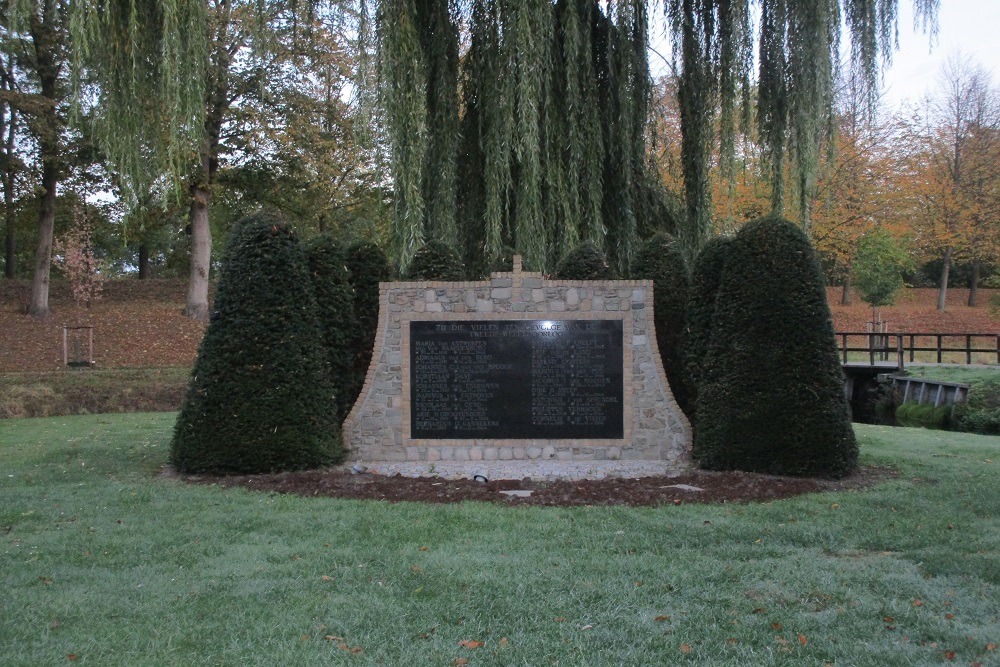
x=969, y=26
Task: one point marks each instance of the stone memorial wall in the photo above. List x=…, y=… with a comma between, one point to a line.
x=517, y=367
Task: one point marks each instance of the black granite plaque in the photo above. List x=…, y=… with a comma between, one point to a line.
x=516, y=379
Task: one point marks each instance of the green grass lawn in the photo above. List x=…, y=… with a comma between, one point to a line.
x=971, y=375
x=103, y=561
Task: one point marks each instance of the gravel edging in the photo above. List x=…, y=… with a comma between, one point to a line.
x=536, y=470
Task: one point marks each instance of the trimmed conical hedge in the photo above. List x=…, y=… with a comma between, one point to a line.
x=368, y=266
x=260, y=399
x=772, y=397
x=700, y=311
x=335, y=310
x=436, y=260
x=660, y=260
x=586, y=261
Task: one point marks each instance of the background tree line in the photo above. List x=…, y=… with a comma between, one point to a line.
x=500, y=126
x=926, y=173
x=272, y=128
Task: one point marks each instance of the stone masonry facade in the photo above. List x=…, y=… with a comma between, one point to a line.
x=378, y=427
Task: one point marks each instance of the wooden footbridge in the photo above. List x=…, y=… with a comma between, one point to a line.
x=867, y=357
x=897, y=349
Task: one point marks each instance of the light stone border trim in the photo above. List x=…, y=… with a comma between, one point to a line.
x=514, y=442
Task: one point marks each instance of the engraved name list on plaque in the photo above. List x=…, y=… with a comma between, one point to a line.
x=515, y=379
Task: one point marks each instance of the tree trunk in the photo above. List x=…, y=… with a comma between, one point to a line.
x=201, y=254
x=943, y=284
x=845, y=296
x=9, y=133
x=216, y=105
x=9, y=249
x=38, y=306
x=47, y=66
x=143, y=261
x=974, y=284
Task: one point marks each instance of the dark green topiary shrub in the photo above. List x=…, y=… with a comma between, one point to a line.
x=980, y=413
x=260, y=399
x=700, y=311
x=660, y=260
x=368, y=266
x=772, y=395
x=436, y=260
x=584, y=262
x=505, y=262
x=335, y=310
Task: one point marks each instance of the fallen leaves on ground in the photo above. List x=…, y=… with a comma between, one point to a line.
x=136, y=324
x=470, y=643
x=139, y=323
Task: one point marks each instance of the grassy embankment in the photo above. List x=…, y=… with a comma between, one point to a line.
x=91, y=391
x=104, y=561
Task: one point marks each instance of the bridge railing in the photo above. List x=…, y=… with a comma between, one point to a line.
x=954, y=348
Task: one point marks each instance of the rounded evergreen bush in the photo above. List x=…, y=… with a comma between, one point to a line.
x=367, y=265
x=260, y=399
x=584, y=262
x=505, y=262
x=700, y=311
x=660, y=260
x=335, y=310
x=980, y=413
x=436, y=260
x=772, y=396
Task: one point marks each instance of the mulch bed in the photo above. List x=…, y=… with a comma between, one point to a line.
x=717, y=487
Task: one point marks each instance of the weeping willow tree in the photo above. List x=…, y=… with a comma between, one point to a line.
x=553, y=105
x=141, y=63
x=513, y=125
x=536, y=142
x=137, y=62
x=798, y=46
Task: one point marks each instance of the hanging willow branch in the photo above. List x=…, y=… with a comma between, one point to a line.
x=531, y=61
x=438, y=36
x=797, y=61
x=555, y=99
x=585, y=151
x=403, y=95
